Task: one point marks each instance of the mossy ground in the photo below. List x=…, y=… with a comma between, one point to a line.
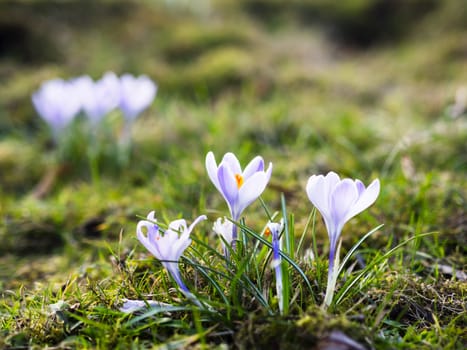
x=305, y=86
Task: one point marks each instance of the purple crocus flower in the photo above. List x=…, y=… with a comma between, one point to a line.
x=57, y=103
x=168, y=247
x=136, y=94
x=239, y=188
x=100, y=97
x=338, y=201
x=274, y=229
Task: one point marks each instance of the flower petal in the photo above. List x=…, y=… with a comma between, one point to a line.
x=178, y=225
x=250, y=191
x=360, y=187
x=130, y=306
x=137, y=93
x=196, y=222
x=228, y=185
x=231, y=160
x=367, y=198
x=166, y=244
x=332, y=179
x=224, y=229
x=317, y=193
x=257, y=164
x=211, y=168
x=343, y=197
x=151, y=216
x=153, y=248
x=269, y=172
x=179, y=247
x=184, y=239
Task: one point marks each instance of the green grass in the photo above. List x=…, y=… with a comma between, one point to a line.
x=281, y=87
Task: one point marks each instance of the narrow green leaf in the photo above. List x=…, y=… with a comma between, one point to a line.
x=355, y=247
x=285, y=256
x=341, y=294
x=302, y=237
x=154, y=311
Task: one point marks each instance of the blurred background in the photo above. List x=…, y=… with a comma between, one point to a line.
x=368, y=88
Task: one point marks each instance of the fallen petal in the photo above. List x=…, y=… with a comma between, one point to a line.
x=130, y=306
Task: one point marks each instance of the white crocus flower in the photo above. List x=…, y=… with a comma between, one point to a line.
x=338, y=201
x=169, y=246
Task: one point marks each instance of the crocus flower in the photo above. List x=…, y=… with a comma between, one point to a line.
x=167, y=247
x=136, y=94
x=274, y=229
x=239, y=188
x=225, y=230
x=100, y=97
x=56, y=103
x=338, y=201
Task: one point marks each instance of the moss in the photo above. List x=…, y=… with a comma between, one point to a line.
x=356, y=23
x=307, y=332
x=214, y=72
x=20, y=166
x=190, y=40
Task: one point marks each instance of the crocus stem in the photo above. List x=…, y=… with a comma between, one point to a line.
x=332, y=273
x=279, y=287
x=93, y=156
x=172, y=268
x=276, y=260
x=124, y=144
x=226, y=253
x=234, y=236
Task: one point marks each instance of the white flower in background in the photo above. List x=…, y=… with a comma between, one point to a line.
x=57, y=103
x=98, y=98
x=136, y=94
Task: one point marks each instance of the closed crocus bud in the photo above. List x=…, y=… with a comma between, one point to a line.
x=224, y=228
x=274, y=229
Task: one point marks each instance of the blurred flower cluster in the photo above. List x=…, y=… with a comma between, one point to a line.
x=81, y=100
x=59, y=101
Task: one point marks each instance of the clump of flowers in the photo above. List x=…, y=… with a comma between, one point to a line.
x=338, y=200
x=59, y=103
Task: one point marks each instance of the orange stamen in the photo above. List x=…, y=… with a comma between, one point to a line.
x=239, y=179
x=267, y=232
